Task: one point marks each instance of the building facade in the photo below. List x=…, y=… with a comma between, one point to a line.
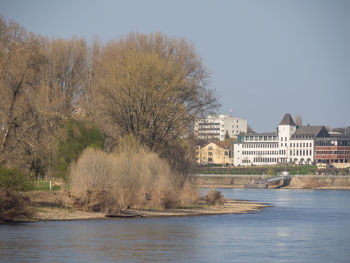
x=290, y=144
x=333, y=150
x=219, y=126
x=214, y=153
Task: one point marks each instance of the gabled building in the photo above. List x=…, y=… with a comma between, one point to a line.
x=214, y=153
x=302, y=144
x=290, y=144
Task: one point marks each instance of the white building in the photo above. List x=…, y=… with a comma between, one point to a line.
x=302, y=144
x=217, y=126
x=290, y=144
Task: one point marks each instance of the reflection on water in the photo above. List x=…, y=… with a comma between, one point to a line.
x=301, y=226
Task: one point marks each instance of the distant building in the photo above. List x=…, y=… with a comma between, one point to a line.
x=219, y=127
x=333, y=150
x=217, y=153
x=290, y=144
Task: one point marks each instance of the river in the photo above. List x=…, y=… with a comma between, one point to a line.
x=300, y=226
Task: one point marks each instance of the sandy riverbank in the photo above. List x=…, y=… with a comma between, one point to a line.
x=57, y=206
x=229, y=207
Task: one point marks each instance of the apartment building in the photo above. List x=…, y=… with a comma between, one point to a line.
x=219, y=126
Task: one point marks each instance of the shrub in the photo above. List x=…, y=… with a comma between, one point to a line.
x=132, y=176
x=214, y=198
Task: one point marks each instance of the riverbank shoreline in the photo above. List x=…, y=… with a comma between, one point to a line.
x=230, y=206
x=44, y=206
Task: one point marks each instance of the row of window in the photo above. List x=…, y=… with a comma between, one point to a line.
x=333, y=160
x=265, y=160
x=300, y=152
x=333, y=143
x=208, y=123
x=260, y=138
x=260, y=145
x=209, y=129
x=259, y=152
x=332, y=152
x=302, y=144
x=303, y=136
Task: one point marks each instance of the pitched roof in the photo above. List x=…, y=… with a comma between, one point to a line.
x=287, y=120
x=310, y=132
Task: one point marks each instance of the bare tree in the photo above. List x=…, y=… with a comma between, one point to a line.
x=151, y=86
x=20, y=61
x=41, y=83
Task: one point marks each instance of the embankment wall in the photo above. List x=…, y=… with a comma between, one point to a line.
x=297, y=182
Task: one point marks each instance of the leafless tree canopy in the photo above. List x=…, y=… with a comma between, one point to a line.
x=151, y=86
x=41, y=82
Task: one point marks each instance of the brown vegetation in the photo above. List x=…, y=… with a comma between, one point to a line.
x=213, y=198
x=130, y=177
x=151, y=86
x=148, y=86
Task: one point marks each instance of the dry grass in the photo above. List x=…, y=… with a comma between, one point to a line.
x=130, y=177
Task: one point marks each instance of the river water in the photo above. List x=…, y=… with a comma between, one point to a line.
x=300, y=226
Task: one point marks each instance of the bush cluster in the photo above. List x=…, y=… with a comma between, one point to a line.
x=131, y=176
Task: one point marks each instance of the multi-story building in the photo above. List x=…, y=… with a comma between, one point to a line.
x=214, y=153
x=290, y=144
x=219, y=127
x=256, y=149
x=333, y=150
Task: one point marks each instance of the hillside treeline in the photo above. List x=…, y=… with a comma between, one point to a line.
x=60, y=96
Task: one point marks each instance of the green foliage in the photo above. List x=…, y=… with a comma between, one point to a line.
x=270, y=172
x=15, y=180
x=78, y=136
x=44, y=186
x=259, y=170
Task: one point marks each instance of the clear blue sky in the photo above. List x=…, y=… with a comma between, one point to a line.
x=266, y=57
